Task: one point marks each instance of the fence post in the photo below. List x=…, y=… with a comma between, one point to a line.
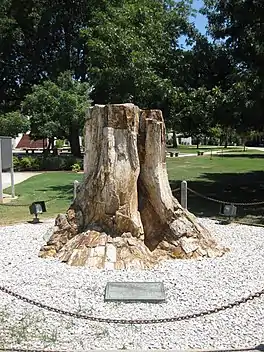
x=184, y=194
x=75, y=185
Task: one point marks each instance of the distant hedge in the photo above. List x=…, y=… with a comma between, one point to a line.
x=47, y=163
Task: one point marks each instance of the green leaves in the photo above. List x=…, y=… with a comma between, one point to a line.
x=239, y=25
x=55, y=108
x=196, y=112
x=13, y=123
x=129, y=46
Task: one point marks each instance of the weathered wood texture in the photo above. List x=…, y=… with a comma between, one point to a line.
x=124, y=214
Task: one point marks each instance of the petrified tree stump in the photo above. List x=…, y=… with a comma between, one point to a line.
x=124, y=215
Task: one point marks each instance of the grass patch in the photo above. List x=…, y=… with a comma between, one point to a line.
x=231, y=178
x=54, y=186
x=25, y=330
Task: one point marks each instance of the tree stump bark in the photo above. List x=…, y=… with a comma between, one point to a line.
x=124, y=214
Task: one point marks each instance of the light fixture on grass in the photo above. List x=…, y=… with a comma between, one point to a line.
x=228, y=210
x=37, y=208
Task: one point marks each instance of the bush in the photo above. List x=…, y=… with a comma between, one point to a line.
x=26, y=163
x=47, y=163
x=52, y=163
x=35, y=164
x=16, y=163
x=60, y=162
x=76, y=167
x=59, y=143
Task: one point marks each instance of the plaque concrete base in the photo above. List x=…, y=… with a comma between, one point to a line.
x=152, y=292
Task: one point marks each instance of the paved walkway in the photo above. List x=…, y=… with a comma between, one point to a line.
x=219, y=151
x=261, y=149
x=18, y=176
x=183, y=155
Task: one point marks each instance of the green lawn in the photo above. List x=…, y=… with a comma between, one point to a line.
x=230, y=178
x=54, y=187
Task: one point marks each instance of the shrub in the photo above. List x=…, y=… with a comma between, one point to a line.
x=26, y=163
x=47, y=163
x=52, y=163
x=35, y=164
x=59, y=143
x=59, y=162
x=16, y=163
x=76, y=167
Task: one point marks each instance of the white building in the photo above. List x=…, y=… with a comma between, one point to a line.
x=180, y=138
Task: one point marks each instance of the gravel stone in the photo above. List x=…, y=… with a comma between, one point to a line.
x=191, y=286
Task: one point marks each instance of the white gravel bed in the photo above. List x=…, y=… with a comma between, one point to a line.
x=191, y=286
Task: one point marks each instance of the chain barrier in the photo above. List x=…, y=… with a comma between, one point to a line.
x=39, y=350
x=131, y=321
x=223, y=202
x=241, y=349
x=35, y=350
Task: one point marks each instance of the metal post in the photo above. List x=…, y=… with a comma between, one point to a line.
x=184, y=194
x=75, y=185
x=1, y=179
x=12, y=180
x=12, y=177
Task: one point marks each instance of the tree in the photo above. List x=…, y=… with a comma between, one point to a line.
x=108, y=43
x=236, y=108
x=124, y=214
x=38, y=40
x=130, y=50
x=13, y=123
x=195, y=114
x=58, y=109
x=238, y=25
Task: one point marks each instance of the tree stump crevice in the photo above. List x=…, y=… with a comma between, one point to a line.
x=124, y=214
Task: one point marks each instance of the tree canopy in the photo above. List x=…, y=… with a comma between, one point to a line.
x=13, y=123
x=57, y=109
x=238, y=25
x=130, y=51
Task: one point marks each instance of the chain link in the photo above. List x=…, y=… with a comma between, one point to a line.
x=131, y=321
x=240, y=349
x=176, y=189
x=32, y=350
x=224, y=202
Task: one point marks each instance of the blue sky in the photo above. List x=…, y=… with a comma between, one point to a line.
x=200, y=20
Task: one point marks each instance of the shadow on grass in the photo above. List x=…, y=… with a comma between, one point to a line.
x=60, y=192
x=227, y=187
x=240, y=155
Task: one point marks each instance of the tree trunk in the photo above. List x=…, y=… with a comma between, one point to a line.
x=124, y=215
x=226, y=139
x=174, y=140
x=75, y=142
